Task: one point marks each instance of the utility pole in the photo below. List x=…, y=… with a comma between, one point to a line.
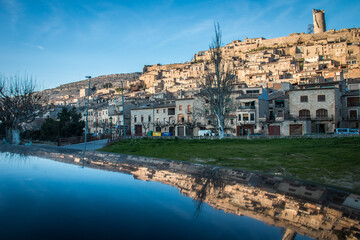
x=86, y=125
x=154, y=117
x=122, y=96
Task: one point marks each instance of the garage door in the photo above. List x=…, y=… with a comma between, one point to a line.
x=274, y=130
x=295, y=129
x=181, y=131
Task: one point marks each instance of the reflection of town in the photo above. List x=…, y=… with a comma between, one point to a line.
x=314, y=211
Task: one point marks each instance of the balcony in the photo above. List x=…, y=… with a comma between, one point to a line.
x=352, y=118
x=246, y=107
x=323, y=118
x=310, y=118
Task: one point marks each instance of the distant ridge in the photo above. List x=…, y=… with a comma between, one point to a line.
x=74, y=87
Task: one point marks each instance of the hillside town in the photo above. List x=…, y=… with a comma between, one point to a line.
x=300, y=84
x=149, y=131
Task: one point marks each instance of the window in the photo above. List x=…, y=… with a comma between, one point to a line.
x=353, y=115
x=239, y=117
x=246, y=117
x=321, y=98
x=135, y=119
x=181, y=118
x=231, y=121
x=157, y=110
x=280, y=113
x=252, y=116
x=353, y=101
x=164, y=110
x=142, y=119
x=303, y=98
x=279, y=103
x=180, y=107
x=171, y=111
x=189, y=108
x=321, y=113
x=149, y=118
x=304, y=114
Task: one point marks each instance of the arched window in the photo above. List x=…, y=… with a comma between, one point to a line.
x=181, y=118
x=321, y=113
x=304, y=114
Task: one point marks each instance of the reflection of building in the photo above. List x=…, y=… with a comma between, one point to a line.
x=302, y=208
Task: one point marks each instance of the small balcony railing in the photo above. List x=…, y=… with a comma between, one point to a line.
x=353, y=118
x=309, y=117
x=323, y=118
x=246, y=107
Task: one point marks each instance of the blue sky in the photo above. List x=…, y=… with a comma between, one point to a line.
x=62, y=41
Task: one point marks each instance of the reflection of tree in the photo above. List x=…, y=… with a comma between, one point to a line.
x=209, y=179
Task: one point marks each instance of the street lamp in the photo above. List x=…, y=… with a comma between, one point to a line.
x=123, y=107
x=110, y=128
x=87, y=114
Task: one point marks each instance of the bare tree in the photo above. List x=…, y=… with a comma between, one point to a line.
x=216, y=84
x=19, y=104
x=146, y=126
x=172, y=123
x=160, y=125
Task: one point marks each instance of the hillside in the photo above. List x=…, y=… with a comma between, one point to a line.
x=73, y=89
x=297, y=58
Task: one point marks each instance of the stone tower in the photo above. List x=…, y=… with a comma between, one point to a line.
x=319, y=21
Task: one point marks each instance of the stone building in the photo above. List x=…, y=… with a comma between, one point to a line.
x=153, y=116
x=252, y=109
x=351, y=109
x=318, y=104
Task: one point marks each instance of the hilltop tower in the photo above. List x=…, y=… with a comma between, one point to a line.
x=319, y=21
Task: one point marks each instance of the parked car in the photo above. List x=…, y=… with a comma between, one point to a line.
x=347, y=131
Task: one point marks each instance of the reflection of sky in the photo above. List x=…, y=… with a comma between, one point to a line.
x=40, y=198
x=62, y=41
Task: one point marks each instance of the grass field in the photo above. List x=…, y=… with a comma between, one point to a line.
x=333, y=161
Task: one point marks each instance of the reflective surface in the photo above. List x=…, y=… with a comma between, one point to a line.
x=45, y=199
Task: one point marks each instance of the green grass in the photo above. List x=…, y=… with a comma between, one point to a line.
x=334, y=161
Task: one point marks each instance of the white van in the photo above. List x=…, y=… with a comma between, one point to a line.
x=202, y=133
